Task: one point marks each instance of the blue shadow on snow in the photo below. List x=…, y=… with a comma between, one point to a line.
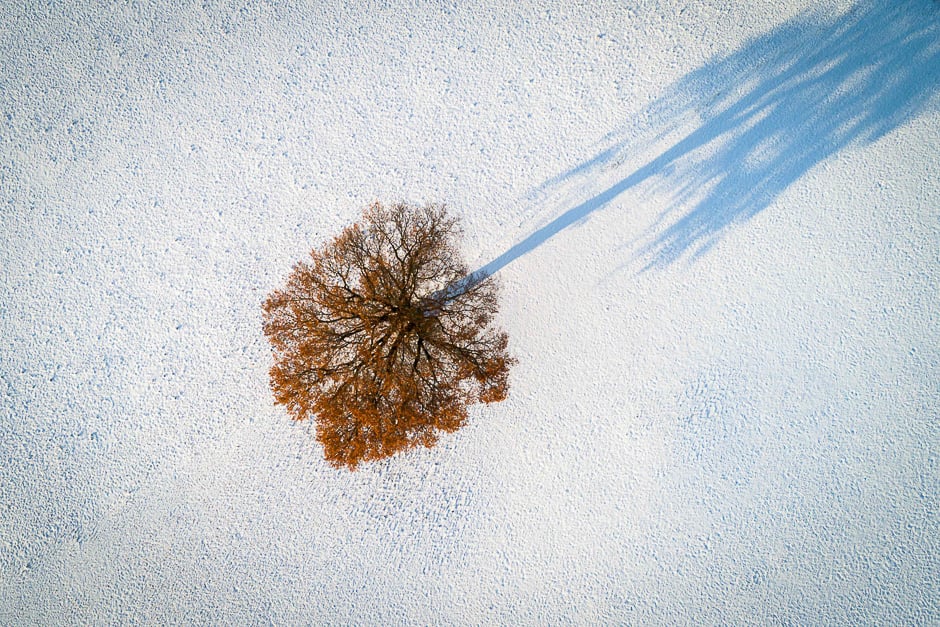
x=769, y=112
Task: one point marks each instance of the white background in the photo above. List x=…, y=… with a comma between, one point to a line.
x=717, y=230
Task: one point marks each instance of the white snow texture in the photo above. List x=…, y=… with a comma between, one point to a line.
x=716, y=226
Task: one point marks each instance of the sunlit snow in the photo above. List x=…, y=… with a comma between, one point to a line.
x=716, y=226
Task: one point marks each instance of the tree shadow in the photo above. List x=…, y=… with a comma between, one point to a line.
x=768, y=113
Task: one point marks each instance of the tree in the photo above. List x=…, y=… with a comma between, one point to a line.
x=383, y=338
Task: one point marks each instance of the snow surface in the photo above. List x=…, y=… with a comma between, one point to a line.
x=717, y=228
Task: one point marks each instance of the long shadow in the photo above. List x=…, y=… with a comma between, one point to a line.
x=769, y=112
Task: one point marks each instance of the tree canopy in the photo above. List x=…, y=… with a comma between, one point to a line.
x=383, y=338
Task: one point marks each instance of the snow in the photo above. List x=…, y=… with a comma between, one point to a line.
x=716, y=227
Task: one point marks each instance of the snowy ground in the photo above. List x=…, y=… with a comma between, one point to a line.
x=717, y=227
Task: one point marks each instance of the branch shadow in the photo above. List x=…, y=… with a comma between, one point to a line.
x=769, y=112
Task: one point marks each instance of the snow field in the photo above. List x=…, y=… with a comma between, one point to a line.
x=716, y=228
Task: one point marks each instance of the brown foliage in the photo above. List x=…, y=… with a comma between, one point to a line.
x=383, y=338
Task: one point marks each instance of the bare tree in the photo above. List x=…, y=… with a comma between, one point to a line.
x=383, y=338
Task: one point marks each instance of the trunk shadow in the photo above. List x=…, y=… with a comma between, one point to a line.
x=769, y=112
